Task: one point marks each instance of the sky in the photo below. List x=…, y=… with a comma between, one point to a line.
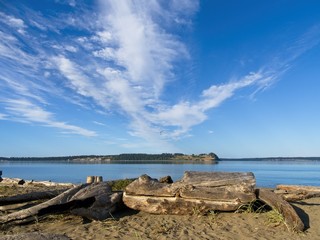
x=237, y=78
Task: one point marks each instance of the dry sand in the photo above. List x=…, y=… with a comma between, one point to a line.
x=129, y=224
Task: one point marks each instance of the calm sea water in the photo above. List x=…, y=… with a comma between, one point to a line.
x=267, y=173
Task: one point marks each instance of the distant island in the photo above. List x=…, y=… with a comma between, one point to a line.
x=204, y=157
x=134, y=157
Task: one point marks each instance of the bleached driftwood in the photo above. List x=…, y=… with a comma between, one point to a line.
x=51, y=184
x=19, y=181
x=32, y=196
x=297, y=192
x=197, y=191
x=291, y=218
x=97, y=198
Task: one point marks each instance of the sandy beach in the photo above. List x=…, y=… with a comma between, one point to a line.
x=129, y=224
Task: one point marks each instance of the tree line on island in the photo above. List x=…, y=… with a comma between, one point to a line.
x=151, y=157
x=121, y=157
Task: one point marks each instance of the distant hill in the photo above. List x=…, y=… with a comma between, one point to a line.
x=151, y=157
x=121, y=157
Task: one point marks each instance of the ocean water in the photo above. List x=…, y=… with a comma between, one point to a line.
x=268, y=173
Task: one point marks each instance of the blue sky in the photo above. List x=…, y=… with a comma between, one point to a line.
x=238, y=78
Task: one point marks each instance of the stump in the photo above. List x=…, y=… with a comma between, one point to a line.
x=98, y=179
x=94, y=179
x=90, y=179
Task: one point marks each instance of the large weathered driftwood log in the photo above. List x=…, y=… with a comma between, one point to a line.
x=197, y=191
x=291, y=218
x=218, y=186
x=94, y=197
x=297, y=192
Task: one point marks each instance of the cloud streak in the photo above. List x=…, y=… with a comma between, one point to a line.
x=13, y=22
x=22, y=110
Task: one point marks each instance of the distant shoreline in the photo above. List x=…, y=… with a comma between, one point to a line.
x=149, y=158
x=211, y=157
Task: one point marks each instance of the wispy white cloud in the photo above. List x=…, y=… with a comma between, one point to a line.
x=144, y=49
x=68, y=48
x=78, y=81
x=13, y=22
x=83, y=83
x=185, y=7
x=142, y=55
x=185, y=115
x=10, y=48
x=3, y=116
x=71, y=3
x=285, y=59
x=25, y=111
x=99, y=123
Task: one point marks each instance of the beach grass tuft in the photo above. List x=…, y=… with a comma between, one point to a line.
x=196, y=211
x=120, y=185
x=275, y=217
x=255, y=206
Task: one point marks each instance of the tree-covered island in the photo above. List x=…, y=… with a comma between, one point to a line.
x=204, y=157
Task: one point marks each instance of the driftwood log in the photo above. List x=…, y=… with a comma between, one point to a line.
x=196, y=192
x=19, y=181
x=32, y=196
x=291, y=218
x=297, y=192
x=200, y=192
x=94, y=201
